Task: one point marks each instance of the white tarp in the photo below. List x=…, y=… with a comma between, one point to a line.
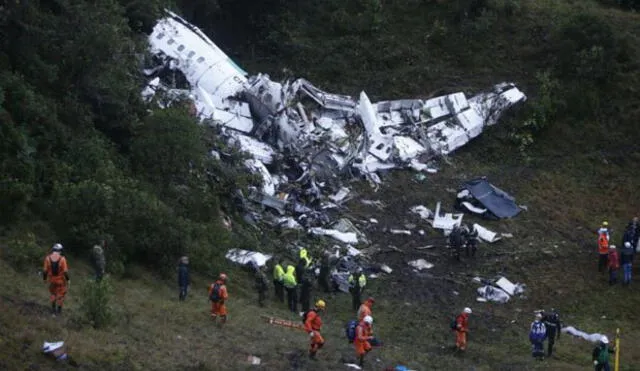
x=245, y=257
x=422, y=211
x=594, y=338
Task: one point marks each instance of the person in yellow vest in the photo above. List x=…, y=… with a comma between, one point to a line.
x=305, y=255
x=357, y=282
x=278, y=277
x=291, y=285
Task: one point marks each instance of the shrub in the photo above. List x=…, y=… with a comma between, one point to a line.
x=96, y=298
x=23, y=252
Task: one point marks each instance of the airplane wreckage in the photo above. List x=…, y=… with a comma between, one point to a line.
x=303, y=141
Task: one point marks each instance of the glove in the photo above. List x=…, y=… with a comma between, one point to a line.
x=311, y=334
x=595, y=363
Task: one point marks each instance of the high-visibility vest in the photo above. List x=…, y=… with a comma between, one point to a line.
x=278, y=272
x=603, y=244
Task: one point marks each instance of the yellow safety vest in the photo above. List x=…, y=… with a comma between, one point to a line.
x=362, y=281
x=289, y=279
x=278, y=272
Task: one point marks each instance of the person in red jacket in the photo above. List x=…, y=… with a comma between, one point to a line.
x=462, y=328
x=218, y=296
x=365, y=309
x=56, y=271
x=364, y=334
x=312, y=325
x=613, y=264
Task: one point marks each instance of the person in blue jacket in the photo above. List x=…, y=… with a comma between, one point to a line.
x=537, y=335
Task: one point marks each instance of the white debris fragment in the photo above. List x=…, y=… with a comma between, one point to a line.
x=349, y=237
x=485, y=234
x=386, y=269
x=260, y=151
x=288, y=222
x=469, y=206
x=506, y=285
x=373, y=221
x=245, y=257
x=400, y=231
x=420, y=264
x=268, y=186
x=491, y=293
x=253, y=360
x=446, y=221
x=353, y=365
x=422, y=211
x=341, y=195
x=352, y=251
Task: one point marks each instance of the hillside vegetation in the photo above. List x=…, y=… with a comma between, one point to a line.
x=83, y=158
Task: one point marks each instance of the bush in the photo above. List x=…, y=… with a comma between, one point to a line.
x=96, y=298
x=23, y=252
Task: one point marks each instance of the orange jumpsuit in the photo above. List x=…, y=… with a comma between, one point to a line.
x=364, y=333
x=462, y=327
x=219, y=308
x=314, y=323
x=365, y=310
x=57, y=277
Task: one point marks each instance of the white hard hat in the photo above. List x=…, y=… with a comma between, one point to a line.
x=538, y=315
x=612, y=246
x=604, y=339
x=57, y=247
x=627, y=244
x=467, y=310
x=368, y=319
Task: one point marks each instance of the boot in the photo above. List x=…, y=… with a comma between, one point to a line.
x=53, y=308
x=59, y=309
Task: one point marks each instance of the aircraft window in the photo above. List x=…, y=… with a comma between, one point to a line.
x=181, y=48
x=191, y=54
x=160, y=36
x=201, y=59
x=171, y=41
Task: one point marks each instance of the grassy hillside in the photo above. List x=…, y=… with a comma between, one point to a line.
x=570, y=155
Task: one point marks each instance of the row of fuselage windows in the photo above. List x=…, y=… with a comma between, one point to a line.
x=181, y=48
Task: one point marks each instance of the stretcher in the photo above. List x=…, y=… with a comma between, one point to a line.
x=282, y=322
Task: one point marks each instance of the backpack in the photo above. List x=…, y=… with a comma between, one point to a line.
x=350, y=330
x=55, y=266
x=304, y=315
x=538, y=331
x=215, y=293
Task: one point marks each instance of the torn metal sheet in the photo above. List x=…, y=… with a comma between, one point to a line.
x=473, y=209
x=495, y=294
x=446, y=221
x=245, y=257
x=260, y=151
x=268, y=186
x=498, y=202
x=346, y=226
x=341, y=195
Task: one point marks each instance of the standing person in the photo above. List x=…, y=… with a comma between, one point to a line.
x=305, y=291
x=56, y=271
x=291, y=285
x=218, y=296
x=98, y=260
x=603, y=247
x=462, y=328
x=537, y=334
x=613, y=264
x=456, y=242
x=313, y=325
x=323, y=277
x=553, y=326
x=364, y=334
x=365, y=308
x=634, y=228
x=184, y=280
x=626, y=259
x=278, y=277
x=600, y=355
x=261, y=283
x=472, y=239
x=357, y=282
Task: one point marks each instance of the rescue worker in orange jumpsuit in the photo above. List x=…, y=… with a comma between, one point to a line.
x=56, y=271
x=462, y=328
x=364, y=334
x=312, y=326
x=603, y=247
x=365, y=309
x=218, y=296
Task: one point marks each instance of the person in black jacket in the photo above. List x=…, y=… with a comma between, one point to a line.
x=456, y=242
x=323, y=277
x=261, y=283
x=305, y=291
x=552, y=322
x=626, y=260
x=183, y=277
